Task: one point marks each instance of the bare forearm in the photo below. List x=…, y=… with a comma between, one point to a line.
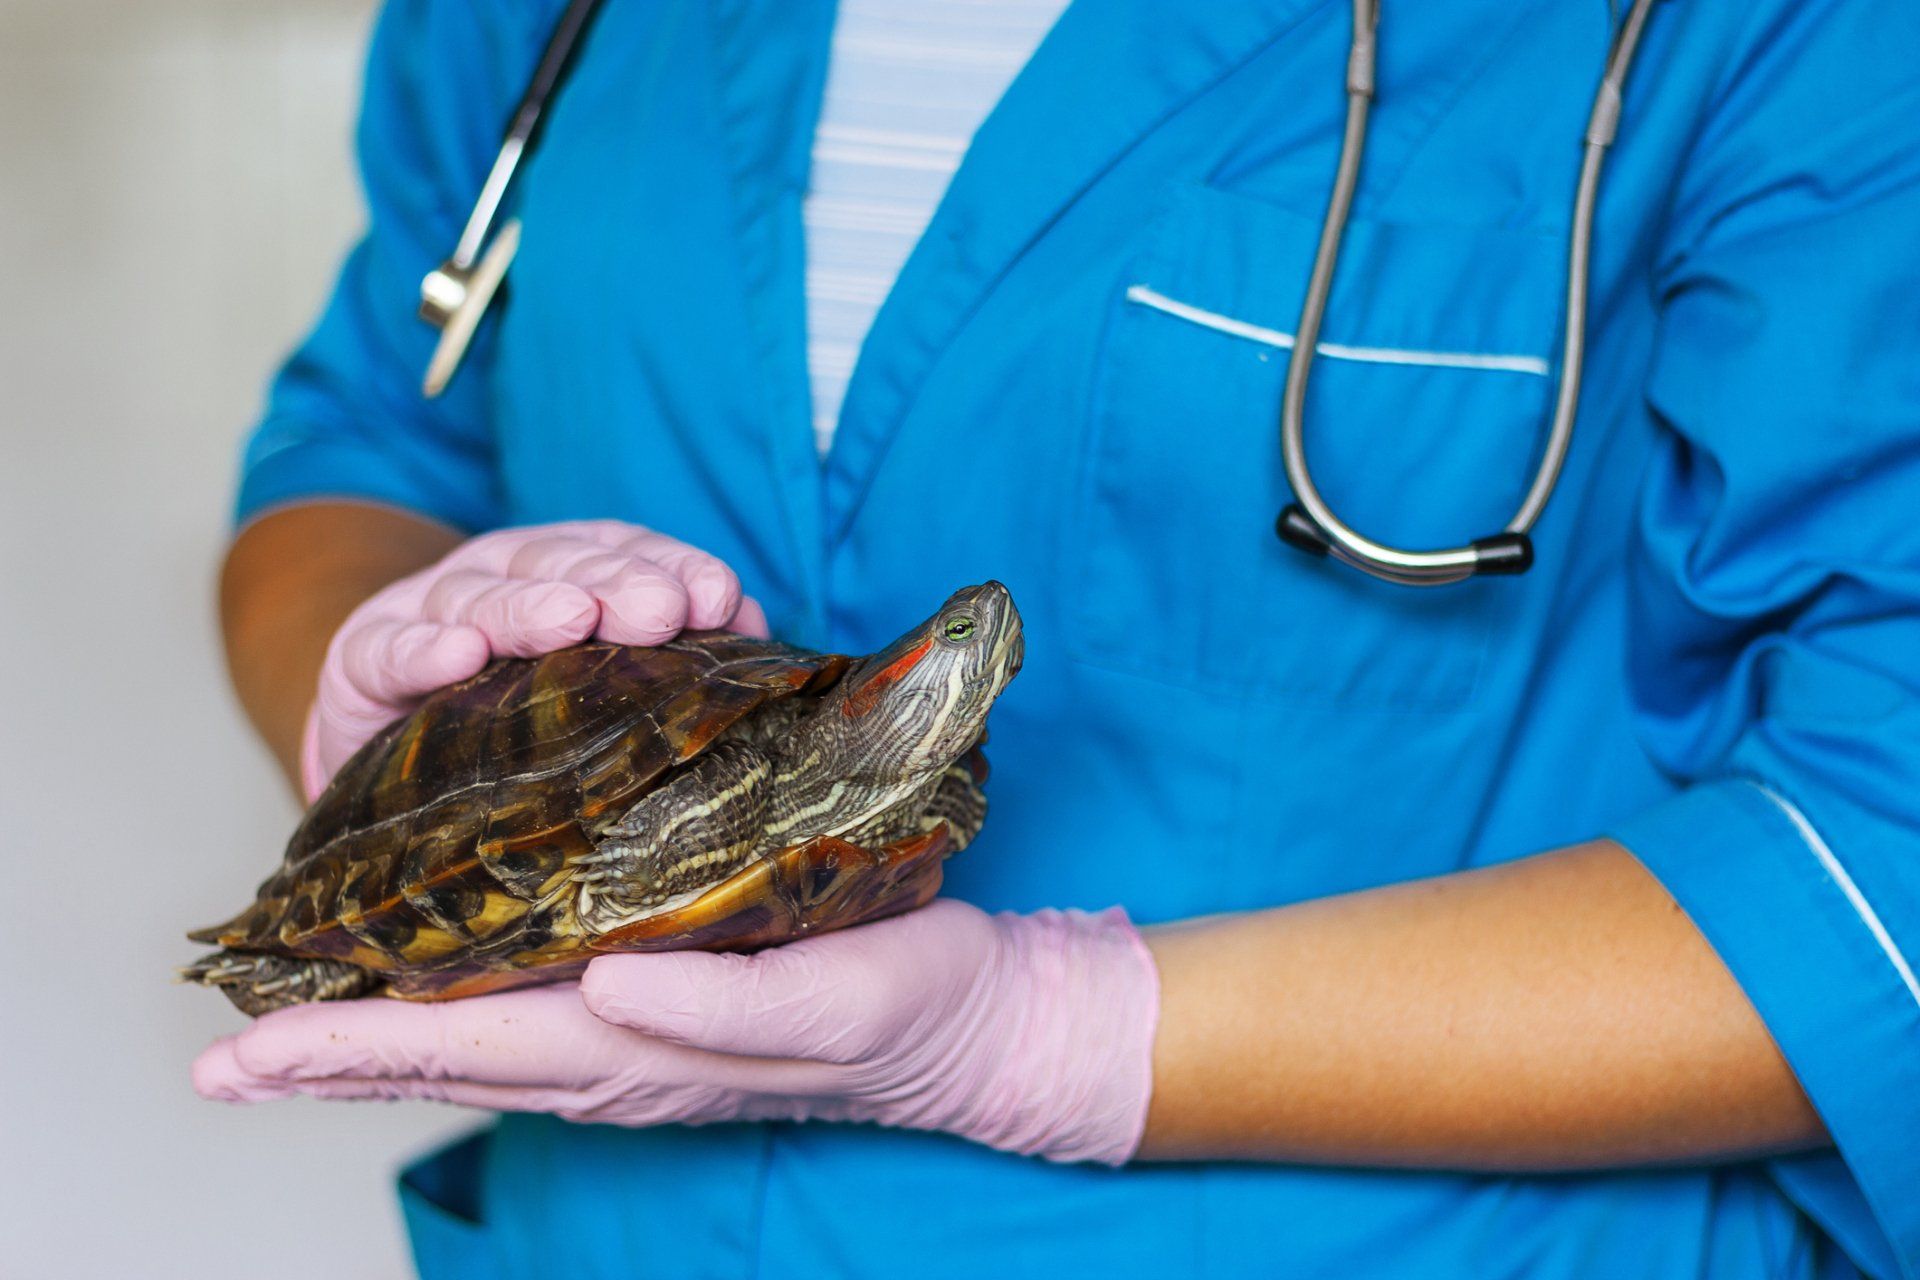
x=1554, y=1013
x=290, y=579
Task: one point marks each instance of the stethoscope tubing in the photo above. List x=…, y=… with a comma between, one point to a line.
x=528, y=115
x=1313, y=525
x=454, y=295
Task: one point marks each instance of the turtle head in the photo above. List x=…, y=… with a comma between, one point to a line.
x=918, y=705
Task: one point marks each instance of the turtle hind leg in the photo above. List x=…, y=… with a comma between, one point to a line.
x=693, y=831
x=260, y=984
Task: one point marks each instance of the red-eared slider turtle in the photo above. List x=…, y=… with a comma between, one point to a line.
x=715, y=792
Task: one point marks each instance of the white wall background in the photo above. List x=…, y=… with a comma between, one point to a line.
x=175, y=188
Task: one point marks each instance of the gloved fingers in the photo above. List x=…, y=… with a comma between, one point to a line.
x=385, y=1039
x=537, y=1050
x=641, y=602
x=316, y=766
x=537, y=1037
x=713, y=589
x=848, y=997
x=494, y=552
x=465, y=1093
x=218, y=1076
x=520, y=619
x=771, y=1004
x=567, y=557
x=461, y=1093
x=685, y=1104
x=391, y=662
x=749, y=619
x=607, y=533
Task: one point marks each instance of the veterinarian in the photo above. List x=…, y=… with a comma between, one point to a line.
x=1551, y=923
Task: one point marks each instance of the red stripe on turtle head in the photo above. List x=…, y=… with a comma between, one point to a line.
x=872, y=688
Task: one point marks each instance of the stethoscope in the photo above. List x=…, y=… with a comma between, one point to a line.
x=455, y=295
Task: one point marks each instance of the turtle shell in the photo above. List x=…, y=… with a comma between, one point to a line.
x=438, y=856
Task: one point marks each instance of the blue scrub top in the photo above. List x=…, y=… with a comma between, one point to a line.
x=1073, y=389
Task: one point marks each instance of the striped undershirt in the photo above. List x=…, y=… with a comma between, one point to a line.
x=908, y=84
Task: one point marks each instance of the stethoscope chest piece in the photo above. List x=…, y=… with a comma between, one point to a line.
x=453, y=298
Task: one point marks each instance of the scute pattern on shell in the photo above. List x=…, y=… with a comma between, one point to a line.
x=443, y=844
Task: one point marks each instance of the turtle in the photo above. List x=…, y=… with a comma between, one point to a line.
x=716, y=792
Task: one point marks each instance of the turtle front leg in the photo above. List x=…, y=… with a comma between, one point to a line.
x=954, y=798
x=823, y=883
x=689, y=833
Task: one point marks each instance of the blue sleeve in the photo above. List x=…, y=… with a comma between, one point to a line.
x=1775, y=581
x=344, y=417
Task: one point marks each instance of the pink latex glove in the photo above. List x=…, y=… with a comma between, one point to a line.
x=1028, y=1033
x=515, y=593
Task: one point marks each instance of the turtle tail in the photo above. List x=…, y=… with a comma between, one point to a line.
x=260, y=984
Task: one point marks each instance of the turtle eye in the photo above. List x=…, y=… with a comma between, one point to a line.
x=959, y=629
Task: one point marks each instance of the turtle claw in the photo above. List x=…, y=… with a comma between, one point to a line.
x=598, y=865
x=216, y=969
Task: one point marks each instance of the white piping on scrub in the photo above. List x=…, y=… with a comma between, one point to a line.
x=1861, y=907
x=1149, y=297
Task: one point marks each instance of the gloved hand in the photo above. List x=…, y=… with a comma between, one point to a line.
x=513, y=593
x=1028, y=1033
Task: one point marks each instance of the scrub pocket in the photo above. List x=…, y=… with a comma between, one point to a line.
x=1426, y=411
x=440, y=1198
